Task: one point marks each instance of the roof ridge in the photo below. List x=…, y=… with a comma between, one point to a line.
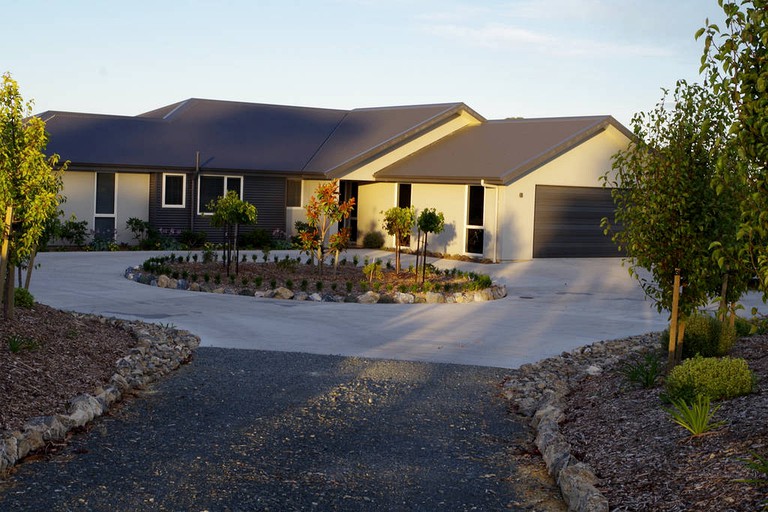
x=325, y=141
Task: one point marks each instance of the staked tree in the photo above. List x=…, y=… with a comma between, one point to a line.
x=230, y=212
x=429, y=221
x=668, y=214
x=398, y=222
x=30, y=183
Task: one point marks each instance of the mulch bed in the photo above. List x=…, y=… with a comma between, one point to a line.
x=646, y=462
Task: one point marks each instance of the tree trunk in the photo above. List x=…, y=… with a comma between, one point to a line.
x=237, y=251
x=673, y=327
x=5, y=233
x=30, y=266
x=397, y=254
x=723, y=309
x=10, y=288
x=424, y=261
x=680, y=336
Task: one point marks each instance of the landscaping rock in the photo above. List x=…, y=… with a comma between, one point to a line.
x=369, y=297
x=316, y=297
x=435, y=298
x=404, y=298
x=301, y=296
x=283, y=293
x=194, y=287
x=163, y=281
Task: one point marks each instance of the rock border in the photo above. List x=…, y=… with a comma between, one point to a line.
x=538, y=391
x=494, y=292
x=158, y=351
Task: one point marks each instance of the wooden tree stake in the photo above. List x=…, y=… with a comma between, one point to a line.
x=671, y=357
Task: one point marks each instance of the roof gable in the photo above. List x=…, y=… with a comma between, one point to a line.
x=498, y=151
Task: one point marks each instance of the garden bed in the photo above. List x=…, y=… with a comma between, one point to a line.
x=297, y=279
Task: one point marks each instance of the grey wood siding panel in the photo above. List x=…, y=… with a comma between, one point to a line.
x=167, y=218
x=567, y=222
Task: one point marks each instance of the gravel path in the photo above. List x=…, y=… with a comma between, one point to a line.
x=255, y=430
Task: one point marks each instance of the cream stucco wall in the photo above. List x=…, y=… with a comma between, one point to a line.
x=132, y=199
x=373, y=198
x=580, y=167
x=452, y=201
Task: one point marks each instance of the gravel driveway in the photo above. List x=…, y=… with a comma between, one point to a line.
x=257, y=430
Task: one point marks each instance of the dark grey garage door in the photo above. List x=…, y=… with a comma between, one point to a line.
x=567, y=222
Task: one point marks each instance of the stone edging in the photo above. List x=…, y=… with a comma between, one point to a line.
x=494, y=292
x=538, y=391
x=158, y=351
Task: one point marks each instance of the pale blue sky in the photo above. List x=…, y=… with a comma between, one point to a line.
x=529, y=58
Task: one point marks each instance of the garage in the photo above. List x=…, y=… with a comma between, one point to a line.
x=567, y=222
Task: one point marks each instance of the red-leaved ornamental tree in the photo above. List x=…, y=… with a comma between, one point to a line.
x=323, y=211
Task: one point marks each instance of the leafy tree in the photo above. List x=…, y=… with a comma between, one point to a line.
x=429, y=221
x=324, y=210
x=338, y=243
x=230, y=212
x=735, y=64
x=667, y=209
x=29, y=185
x=398, y=222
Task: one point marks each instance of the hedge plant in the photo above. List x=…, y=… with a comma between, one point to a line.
x=716, y=378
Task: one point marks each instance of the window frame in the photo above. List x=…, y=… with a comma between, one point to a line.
x=183, y=190
x=224, y=190
x=99, y=215
x=474, y=227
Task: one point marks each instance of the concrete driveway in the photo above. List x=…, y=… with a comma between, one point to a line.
x=552, y=305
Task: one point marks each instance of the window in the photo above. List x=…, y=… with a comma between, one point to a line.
x=475, y=213
x=104, y=207
x=212, y=187
x=174, y=190
x=293, y=193
x=404, y=195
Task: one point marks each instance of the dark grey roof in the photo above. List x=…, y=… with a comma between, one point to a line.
x=366, y=132
x=228, y=135
x=497, y=151
x=237, y=136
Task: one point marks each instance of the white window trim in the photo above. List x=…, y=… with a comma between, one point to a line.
x=226, y=179
x=183, y=191
x=112, y=215
x=301, y=195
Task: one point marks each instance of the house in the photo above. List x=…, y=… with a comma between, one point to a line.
x=509, y=189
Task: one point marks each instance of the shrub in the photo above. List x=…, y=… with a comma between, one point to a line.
x=705, y=335
x=373, y=240
x=17, y=343
x=716, y=378
x=256, y=239
x=22, y=298
x=74, y=232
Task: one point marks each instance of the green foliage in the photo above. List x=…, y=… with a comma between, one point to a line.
x=716, y=378
x=23, y=298
x=373, y=240
x=230, y=212
x=705, y=335
x=73, y=232
x=399, y=222
x=286, y=265
x=759, y=464
x=644, y=372
x=734, y=66
x=324, y=210
x=138, y=227
x=193, y=239
x=17, y=343
x=256, y=239
x=667, y=213
x=373, y=271
x=696, y=417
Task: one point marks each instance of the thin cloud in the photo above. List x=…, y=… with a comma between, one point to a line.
x=501, y=36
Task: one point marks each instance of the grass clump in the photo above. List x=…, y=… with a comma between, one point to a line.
x=644, y=372
x=697, y=417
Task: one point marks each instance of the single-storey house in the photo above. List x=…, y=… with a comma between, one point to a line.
x=509, y=189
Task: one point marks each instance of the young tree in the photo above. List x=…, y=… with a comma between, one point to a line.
x=230, y=212
x=668, y=212
x=338, y=243
x=429, y=221
x=398, y=222
x=29, y=185
x=735, y=64
x=323, y=211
